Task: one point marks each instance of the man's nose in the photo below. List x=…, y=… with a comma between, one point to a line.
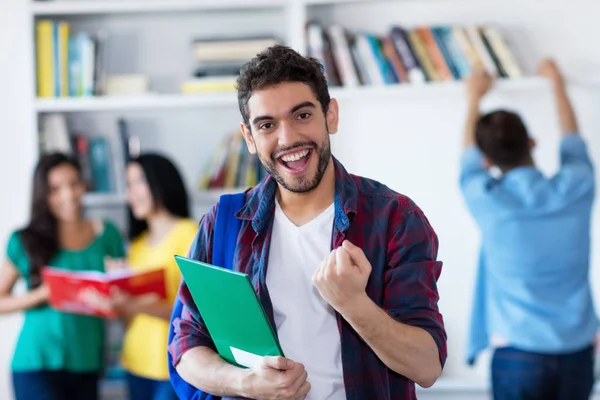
x=287, y=134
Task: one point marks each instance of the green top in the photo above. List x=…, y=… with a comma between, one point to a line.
x=53, y=340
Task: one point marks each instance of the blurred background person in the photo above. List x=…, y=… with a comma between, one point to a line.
x=532, y=301
x=160, y=227
x=58, y=355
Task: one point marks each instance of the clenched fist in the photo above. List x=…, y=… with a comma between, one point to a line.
x=342, y=277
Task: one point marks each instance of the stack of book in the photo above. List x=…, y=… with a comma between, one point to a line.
x=423, y=54
x=220, y=60
x=102, y=165
x=232, y=166
x=67, y=65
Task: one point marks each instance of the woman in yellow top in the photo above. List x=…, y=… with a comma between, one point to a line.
x=160, y=228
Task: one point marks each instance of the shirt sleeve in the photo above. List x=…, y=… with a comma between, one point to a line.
x=573, y=152
x=576, y=174
x=474, y=178
x=189, y=329
x=411, y=294
x=16, y=254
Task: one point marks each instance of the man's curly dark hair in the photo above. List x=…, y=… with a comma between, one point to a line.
x=502, y=136
x=279, y=64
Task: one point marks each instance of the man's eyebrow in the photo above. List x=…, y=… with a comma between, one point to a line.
x=302, y=105
x=261, y=118
x=293, y=110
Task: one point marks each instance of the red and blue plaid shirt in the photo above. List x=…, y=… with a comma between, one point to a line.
x=396, y=238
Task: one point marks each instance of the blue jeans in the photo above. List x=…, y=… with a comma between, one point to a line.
x=149, y=389
x=521, y=375
x=55, y=385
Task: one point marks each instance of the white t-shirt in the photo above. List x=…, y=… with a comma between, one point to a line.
x=306, y=325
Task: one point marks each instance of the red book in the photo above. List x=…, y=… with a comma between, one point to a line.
x=68, y=288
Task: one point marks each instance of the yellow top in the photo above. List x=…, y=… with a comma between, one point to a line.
x=145, y=344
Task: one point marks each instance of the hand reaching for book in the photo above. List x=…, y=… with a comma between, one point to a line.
x=478, y=84
x=549, y=69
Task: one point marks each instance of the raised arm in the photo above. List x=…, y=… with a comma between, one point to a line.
x=478, y=84
x=9, y=303
x=566, y=115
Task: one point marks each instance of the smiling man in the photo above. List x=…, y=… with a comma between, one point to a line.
x=345, y=268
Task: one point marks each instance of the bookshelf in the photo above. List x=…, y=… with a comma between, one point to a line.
x=191, y=126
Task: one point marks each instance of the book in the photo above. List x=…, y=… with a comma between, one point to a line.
x=231, y=166
x=67, y=288
x=46, y=83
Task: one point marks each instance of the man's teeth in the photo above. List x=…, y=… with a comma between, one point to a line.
x=295, y=156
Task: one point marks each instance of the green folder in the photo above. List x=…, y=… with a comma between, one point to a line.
x=232, y=312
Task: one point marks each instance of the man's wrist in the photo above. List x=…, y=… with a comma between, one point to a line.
x=360, y=306
x=243, y=385
x=474, y=100
x=558, y=82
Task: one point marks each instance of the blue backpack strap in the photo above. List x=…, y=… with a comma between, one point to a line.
x=226, y=231
x=225, y=234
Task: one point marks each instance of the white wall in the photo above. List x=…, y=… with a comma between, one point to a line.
x=16, y=150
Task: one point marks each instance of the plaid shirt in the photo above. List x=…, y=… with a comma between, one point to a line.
x=396, y=238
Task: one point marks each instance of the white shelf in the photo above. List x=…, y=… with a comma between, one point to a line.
x=330, y=2
x=103, y=200
x=79, y=7
x=437, y=89
x=143, y=102
x=111, y=200
x=178, y=101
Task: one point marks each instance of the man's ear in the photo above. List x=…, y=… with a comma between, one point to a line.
x=532, y=143
x=332, y=116
x=248, y=137
x=487, y=164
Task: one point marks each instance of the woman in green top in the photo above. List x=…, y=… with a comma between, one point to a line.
x=58, y=355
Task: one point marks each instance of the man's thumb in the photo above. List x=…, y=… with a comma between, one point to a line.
x=280, y=363
x=358, y=256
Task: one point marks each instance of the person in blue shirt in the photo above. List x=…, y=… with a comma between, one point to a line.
x=532, y=303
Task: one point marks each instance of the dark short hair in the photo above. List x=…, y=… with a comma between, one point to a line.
x=166, y=186
x=502, y=137
x=279, y=64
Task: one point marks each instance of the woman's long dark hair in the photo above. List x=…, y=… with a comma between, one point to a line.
x=40, y=236
x=166, y=186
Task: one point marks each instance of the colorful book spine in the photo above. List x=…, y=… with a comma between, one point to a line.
x=437, y=34
x=425, y=60
x=407, y=55
x=46, y=80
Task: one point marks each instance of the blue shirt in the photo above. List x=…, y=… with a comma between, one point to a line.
x=533, y=285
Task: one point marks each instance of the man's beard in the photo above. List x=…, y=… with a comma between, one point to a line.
x=301, y=184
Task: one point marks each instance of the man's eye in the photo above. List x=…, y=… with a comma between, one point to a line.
x=267, y=125
x=303, y=115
